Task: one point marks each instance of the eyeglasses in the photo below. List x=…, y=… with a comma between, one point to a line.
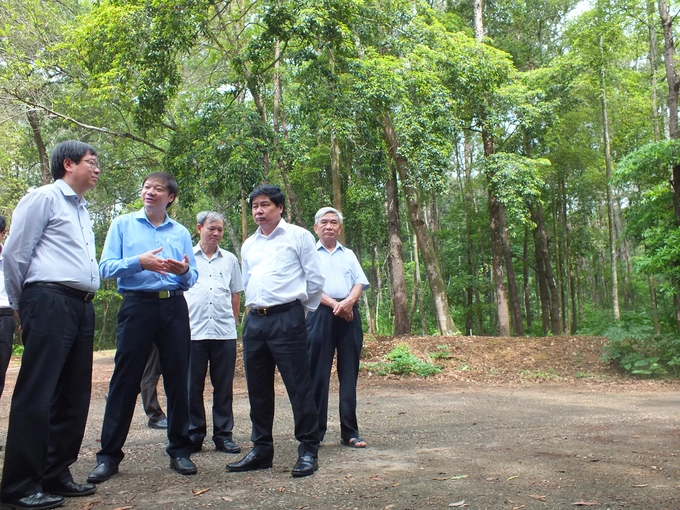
x=92, y=162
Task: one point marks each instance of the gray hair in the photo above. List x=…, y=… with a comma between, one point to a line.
x=326, y=210
x=208, y=216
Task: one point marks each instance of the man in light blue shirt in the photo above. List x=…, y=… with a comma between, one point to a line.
x=151, y=256
x=51, y=276
x=336, y=326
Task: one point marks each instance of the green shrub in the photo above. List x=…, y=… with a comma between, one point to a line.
x=17, y=350
x=401, y=361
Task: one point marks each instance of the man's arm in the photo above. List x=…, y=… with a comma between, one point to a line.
x=112, y=264
x=311, y=266
x=29, y=220
x=345, y=307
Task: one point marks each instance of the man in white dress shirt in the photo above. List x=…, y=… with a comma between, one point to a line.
x=336, y=326
x=214, y=303
x=51, y=276
x=283, y=280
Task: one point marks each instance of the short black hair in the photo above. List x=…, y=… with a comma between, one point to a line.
x=273, y=192
x=169, y=181
x=70, y=149
x=3, y=224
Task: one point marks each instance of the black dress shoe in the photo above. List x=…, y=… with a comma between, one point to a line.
x=305, y=466
x=159, y=424
x=102, y=472
x=37, y=501
x=183, y=465
x=69, y=489
x=227, y=446
x=250, y=462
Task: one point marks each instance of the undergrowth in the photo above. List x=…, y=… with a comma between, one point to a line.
x=401, y=361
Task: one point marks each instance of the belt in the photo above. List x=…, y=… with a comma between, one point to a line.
x=274, y=309
x=4, y=312
x=161, y=294
x=65, y=289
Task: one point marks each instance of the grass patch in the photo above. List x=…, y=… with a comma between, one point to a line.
x=539, y=375
x=401, y=361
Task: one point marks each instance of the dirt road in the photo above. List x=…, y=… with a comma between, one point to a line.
x=601, y=444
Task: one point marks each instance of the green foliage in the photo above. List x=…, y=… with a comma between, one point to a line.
x=401, y=361
x=443, y=351
x=633, y=346
x=17, y=350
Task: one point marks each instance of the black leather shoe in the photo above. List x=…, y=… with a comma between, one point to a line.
x=159, y=424
x=305, y=466
x=69, y=489
x=227, y=446
x=250, y=462
x=37, y=501
x=102, y=472
x=183, y=465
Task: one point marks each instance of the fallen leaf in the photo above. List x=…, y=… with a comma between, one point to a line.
x=642, y=485
x=536, y=496
x=518, y=507
x=198, y=492
x=441, y=479
x=123, y=508
x=458, y=504
x=389, y=507
x=282, y=489
x=396, y=485
x=586, y=503
x=91, y=505
x=512, y=478
x=459, y=477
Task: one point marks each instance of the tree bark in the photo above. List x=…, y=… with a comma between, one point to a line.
x=515, y=303
x=610, y=198
x=34, y=121
x=434, y=276
x=396, y=259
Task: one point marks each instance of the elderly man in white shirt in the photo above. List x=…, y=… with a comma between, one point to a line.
x=283, y=280
x=214, y=303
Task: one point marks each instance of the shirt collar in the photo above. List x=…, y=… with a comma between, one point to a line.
x=141, y=215
x=338, y=246
x=68, y=191
x=283, y=225
x=199, y=251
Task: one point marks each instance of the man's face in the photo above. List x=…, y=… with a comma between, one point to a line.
x=328, y=228
x=265, y=213
x=85, y=174
x=211, y=233
x=155, y=194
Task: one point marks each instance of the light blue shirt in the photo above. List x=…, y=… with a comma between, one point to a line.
x=131, y=235
x=51, y=240
x=341, y=269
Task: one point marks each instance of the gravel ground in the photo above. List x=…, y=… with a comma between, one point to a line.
x=513, y=435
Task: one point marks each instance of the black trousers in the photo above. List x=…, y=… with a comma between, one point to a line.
x=328, y=334
x=152, y=372
x=222, y=357
x=6, y=338
x=52, y=394
x=279, y=341
x=143, y=322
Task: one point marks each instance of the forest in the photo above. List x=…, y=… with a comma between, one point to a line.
x=505, y=167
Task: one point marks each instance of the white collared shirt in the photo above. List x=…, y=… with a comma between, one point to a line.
x=50, y=240
x=341, y=269
x=209, y=300
x=281, y=267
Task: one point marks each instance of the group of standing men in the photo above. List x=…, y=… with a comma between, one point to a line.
x=51, y=276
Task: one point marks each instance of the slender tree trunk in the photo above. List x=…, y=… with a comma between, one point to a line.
x=610, y=198
x=437, y=287
x=34, y=121
x=655, y=311
x=515, y=302
x=545, y=273
x=525, y=278
x=396, y=258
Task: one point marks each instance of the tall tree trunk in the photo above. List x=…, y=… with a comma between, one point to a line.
x=34, y=121
x=434, y=276
x=548, y=284
x=525, y=277
x=468, y=206
x=515, y=303
x=396, y=259
x=610, y=198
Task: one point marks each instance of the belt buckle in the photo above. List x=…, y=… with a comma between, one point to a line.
x=89, y=297
x=163, y=294
x=261, y=311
